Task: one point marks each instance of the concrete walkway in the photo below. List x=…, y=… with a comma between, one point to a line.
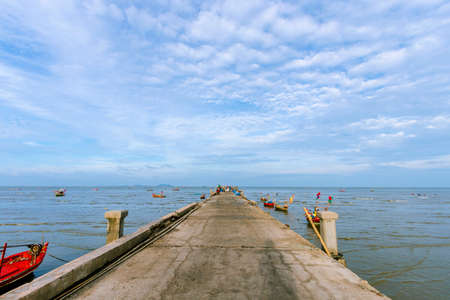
x=228, y=249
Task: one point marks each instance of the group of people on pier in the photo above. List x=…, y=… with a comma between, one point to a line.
x=227, y=188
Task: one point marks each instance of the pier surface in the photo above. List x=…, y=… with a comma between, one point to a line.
x=229, y=249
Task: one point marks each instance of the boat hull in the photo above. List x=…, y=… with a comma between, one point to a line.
x=281, y=208
x=159, y=196
x=20, y=265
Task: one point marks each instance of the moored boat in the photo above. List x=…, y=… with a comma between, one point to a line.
x=19, y=265
x=281, y=207
x=315, y=219
x=60, y=192
x=203, y=196
x=263, y=199
x=159, y=195
x=269, y=204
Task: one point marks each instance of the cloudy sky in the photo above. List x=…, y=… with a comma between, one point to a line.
x=254, y=92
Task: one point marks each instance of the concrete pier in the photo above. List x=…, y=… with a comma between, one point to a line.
x=229, y=249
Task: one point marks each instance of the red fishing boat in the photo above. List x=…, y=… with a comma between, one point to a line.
x=269, y=204
x=19, y=265
x=316, y=219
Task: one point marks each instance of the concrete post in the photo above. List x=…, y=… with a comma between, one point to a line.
x=328, y=230
x=114, y=229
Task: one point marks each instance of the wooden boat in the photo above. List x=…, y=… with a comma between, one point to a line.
x=263, y=199
x=60, y=192
x=158, y=195
x=203, y=196
x=175, y=189
x=269, y=204
x=19, y=265
x=316, y=220
x=281, y=208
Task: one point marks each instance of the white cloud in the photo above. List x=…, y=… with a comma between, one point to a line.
x=331, y=58
x=438, y=122
x=99, y=7
x=211, y=27
x=383, y=122
x=179, y=78
x=386, y=139
x=437, y=162
x=182, y=50
x=381, y=62
x=140, y=19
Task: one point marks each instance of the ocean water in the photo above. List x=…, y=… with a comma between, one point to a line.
x=398, y=239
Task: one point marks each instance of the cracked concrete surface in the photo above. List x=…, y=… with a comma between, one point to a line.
x=229, y=249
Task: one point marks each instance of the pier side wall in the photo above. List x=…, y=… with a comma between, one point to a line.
x=54, y=282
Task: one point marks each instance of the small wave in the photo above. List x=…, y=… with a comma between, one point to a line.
x=42, y=223
x=382, y=276
x=396, y=201
x=79, y=233
x=71, y=246
x=411, y=246
x=363, y=198
x=354, y=238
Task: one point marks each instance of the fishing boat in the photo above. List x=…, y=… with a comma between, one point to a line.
x=316, y=219
x=60, y=192
x=281, y=207
x=269, y=204
x=159, y=195
x=203, y=196
x=175, y=189
x=19, y=265
x=263, y=199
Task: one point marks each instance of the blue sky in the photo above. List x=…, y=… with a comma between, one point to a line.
x=255, y=92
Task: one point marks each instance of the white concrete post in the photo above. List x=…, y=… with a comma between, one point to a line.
x=114, y=229
x=328, y=230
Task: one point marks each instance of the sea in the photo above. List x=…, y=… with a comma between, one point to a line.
x=398, y=239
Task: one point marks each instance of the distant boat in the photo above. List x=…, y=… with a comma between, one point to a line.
x=269, y=204
x=203, y=196
x=342, y=190
x=159, y=195
x=175, y=189
x=60, y=192
x=281, y=207
x=19, y=265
